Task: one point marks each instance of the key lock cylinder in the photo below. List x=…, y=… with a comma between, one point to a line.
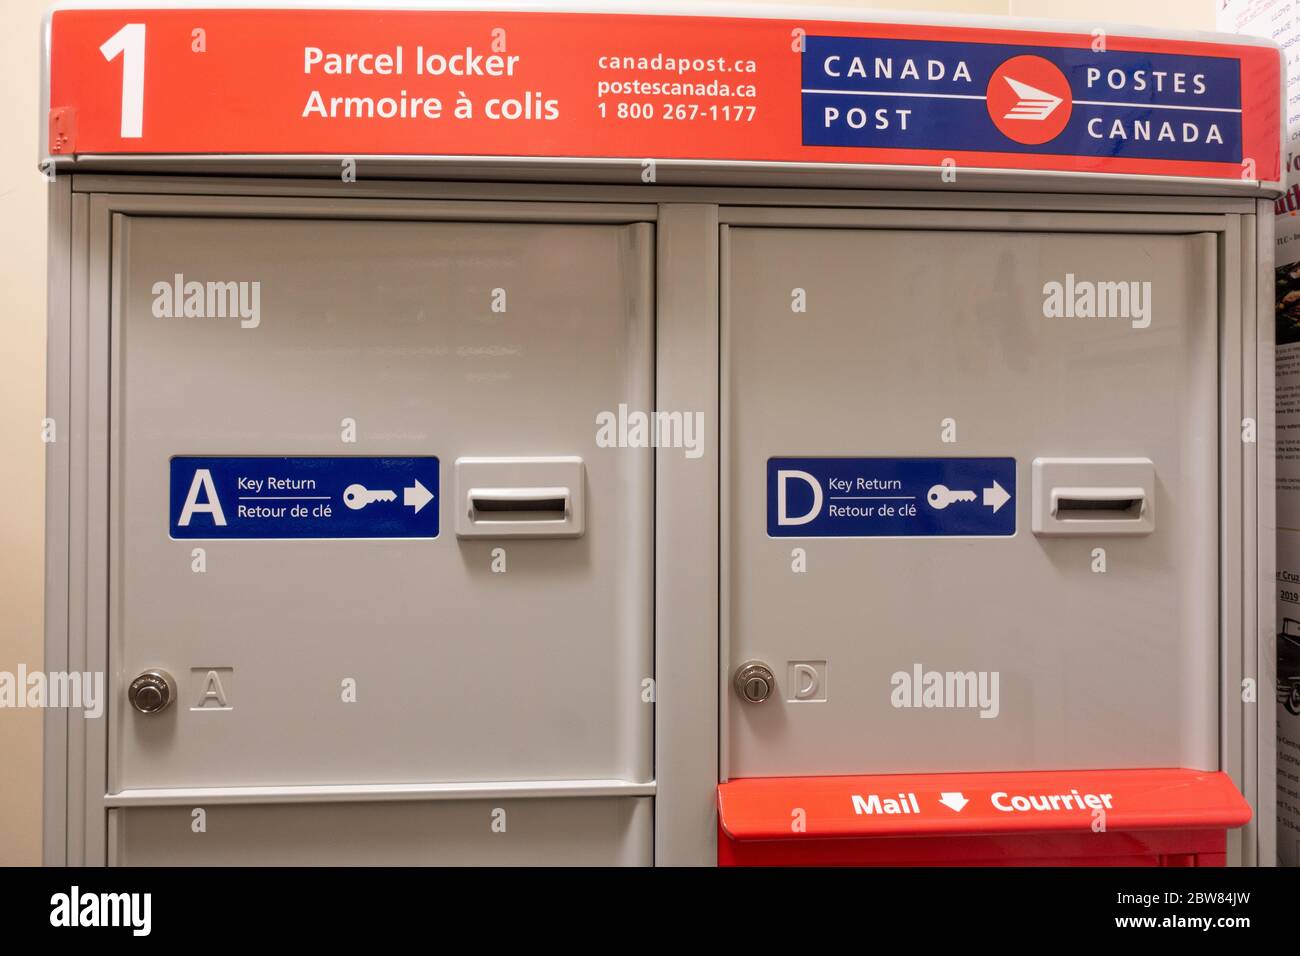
x=152, y=692
x=754, y=681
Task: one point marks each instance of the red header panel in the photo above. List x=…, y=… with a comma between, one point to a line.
x=1082, y=801
x=587, y=86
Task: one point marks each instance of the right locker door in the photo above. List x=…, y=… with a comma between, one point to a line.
x=1061, y=610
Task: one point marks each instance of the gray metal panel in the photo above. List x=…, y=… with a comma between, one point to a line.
x=344, y=207
x=532, y=674
x=686, y=541
x=871, y=370
x=668, y=172
x=1249, y=648
x=926, y=197
x=94, y=733
x=377, y=793
x=86, y=433
x=75, y=504
x=564, y=832
x=1265, y=741
x=1029, y=220
x=58, y=385
x=725, y=465
x=1257, y=319
x=1232, y=536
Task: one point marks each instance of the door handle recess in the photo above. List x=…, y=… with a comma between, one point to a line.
x=1098, y=504
x=1093, y=496
x=520, y=497
x=518, y=504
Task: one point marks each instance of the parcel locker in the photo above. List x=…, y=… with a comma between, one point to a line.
x=630, y=481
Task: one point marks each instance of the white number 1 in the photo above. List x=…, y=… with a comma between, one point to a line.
x=129, y=41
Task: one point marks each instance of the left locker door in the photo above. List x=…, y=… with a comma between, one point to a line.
x=351, y=681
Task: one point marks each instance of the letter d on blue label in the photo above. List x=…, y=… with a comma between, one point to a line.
x=891, y=497
x=783, y=497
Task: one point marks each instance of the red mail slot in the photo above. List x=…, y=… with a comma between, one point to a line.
x=1101, y=817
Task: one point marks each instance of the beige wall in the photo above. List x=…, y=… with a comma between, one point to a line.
x=22, y=357
x=22, y=403
x=1169, y=14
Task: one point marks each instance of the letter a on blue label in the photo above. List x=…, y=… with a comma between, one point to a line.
x=890, y=497
x=304, y=497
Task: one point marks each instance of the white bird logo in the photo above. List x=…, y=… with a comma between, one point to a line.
x=1031, y=103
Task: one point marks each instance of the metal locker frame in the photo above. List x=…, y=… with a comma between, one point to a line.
x=691, y=659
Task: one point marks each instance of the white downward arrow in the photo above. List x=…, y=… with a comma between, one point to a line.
x=417, y=496
x=955, y=801
x=996, y=497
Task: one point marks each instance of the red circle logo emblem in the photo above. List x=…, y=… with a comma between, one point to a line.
x=1029, y=99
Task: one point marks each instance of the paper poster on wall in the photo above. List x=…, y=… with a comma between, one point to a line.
x=1279, y=20
x=1288, y=563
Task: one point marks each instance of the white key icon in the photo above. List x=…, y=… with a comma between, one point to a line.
x=357, y=497
x=940, y=497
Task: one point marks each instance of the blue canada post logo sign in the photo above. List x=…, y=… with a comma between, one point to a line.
x=985, y=97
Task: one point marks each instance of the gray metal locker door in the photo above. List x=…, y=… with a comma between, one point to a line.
x=910, y=337
x=455, y=339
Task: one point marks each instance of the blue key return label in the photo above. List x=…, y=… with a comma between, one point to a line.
x=303, y=497
x=890, y=497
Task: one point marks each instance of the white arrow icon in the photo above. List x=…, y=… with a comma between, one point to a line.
x=955, y=801
x=996, y=497
x=1031, y=103
x=417, y=496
